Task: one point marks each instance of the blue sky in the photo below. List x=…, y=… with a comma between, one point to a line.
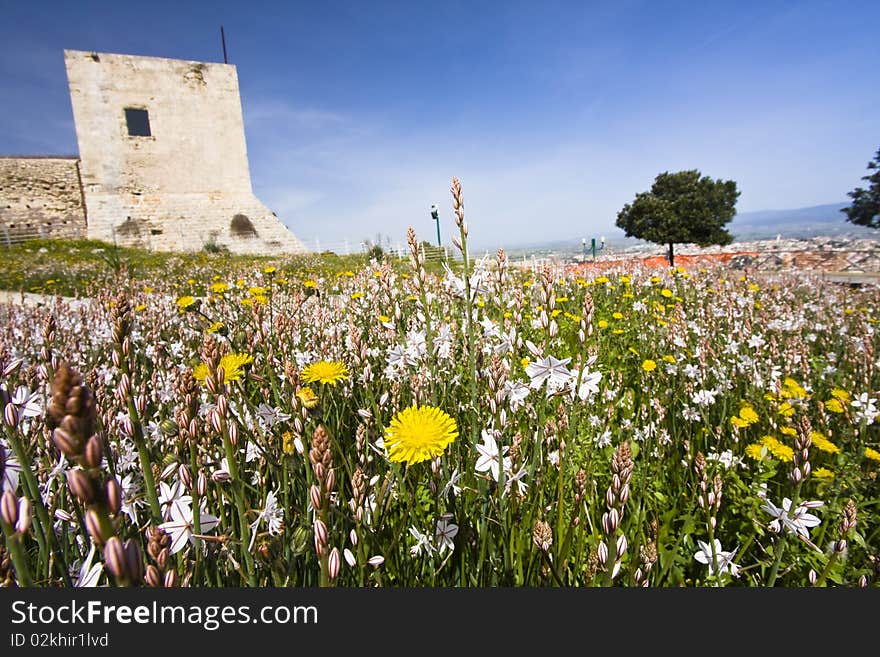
x=552, y=114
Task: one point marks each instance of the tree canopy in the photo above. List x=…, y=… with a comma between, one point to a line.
x=681, y=208
x=865, y=208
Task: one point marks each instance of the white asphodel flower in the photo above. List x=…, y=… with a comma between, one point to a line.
x=490, y=458
x=723, y=559
x=444, y=535
x=798, y=522
x=551, y=370
x=180, y=527
x=272, y=514
x=88, y=575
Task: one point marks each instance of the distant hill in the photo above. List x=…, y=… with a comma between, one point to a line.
x=794, y=223
x=798, y=222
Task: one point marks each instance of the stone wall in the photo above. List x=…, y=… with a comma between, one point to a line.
x=40, y=197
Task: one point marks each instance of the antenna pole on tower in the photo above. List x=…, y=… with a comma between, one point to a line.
x=223, y=40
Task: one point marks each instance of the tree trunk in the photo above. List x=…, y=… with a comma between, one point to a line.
x=671, y=256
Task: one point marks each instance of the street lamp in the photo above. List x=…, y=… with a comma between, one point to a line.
x=583, y=249
x=435, y=215
x=602, y=239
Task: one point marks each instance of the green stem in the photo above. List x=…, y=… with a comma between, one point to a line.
x=43, y=526
x=19, y=560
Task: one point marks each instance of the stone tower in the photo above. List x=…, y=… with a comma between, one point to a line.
x=163, y=158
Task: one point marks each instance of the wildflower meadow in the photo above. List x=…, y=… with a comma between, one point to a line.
x=317, y=421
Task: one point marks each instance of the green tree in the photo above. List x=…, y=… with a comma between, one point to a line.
x=681, y=208
x=865, y=208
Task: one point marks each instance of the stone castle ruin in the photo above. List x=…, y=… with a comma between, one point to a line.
x=162, y=163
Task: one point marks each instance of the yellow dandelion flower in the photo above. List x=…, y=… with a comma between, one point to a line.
x=625, y=279
x=269, y=270
x=555, y=312
x=325, y=371
x=834, y=406
x=823, y=444
x=602, y=279
x=617, y=331
x=257, y=291
x=753, y=287
x=872, y=454
x=739, y=422
x=215, y=327
x=247, y=302
x=384, y=319
x=649, y=365
x=232, y=364
x=191, y=281
x=508, y=315
x=186, y=302
x=788, y=431
x=791, y=389
x=528, y=283
x=524, y=362
x=779, y=450
x=617, y=315
x=655, y=279
x=140, y=307
x=786, y=409
x=755, y=451
x=288, y=443
x=666, y=292
x=823, y=473
x=561, y=299
x=309, y=284
x=419, y=433
x=841, y=395
x=603, y=324
x=748, y=414
x=669, y=358
x=219, y=288
x=357, y=295
x=307, y=396
x=148, y=290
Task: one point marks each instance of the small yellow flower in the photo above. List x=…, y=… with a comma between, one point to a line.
x=748, y=414
x=148, y=290
x=779, y=450
x=666, y=292
x=602, y=279
x=325, y=371
x=219, y=288
x=232, y=364
x=823, y=473
x=561, y=299
x=524, y=362
x=788, y=431
x=140, y=307
x=756, y=452
x=215, y=327
x=823, y=444
x=669, y=359
x=834, y=406
x=307, y=396
x=186, y=302
x=753, y=287
x=625, y=279
x=841, y=395
x=602, y=324
x=649, y=365
x=288, y=443
x=310, y=284
x=257, y=291
x=786, y=409
x=739, y=422
x=384, y=319
x=357, y=295
x=269, y=270
x=617, y=315
x=872, y=454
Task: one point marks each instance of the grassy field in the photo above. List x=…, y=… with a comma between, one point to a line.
x=210, y=420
